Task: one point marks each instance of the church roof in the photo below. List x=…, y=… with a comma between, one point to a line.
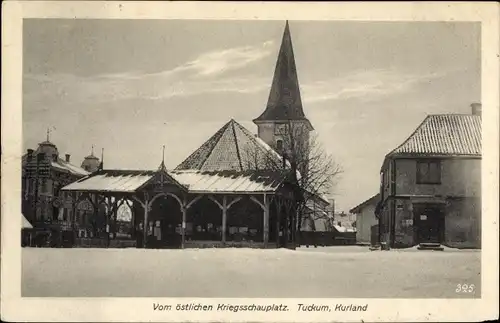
x=231, y=148
x=284, y=102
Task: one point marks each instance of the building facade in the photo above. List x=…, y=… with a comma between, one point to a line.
x=51, y=212
x=366, y=221
x=431, y=185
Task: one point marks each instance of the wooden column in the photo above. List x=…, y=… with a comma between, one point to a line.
x=224, y=207
x=145, y=226
x=278, y=222
x=183, y=227
x=266, y=221
x=224, y=218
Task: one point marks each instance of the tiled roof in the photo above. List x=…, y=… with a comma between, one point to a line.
x=284, y=102
x=446, y=134
x=228, y=181
x=231, y=148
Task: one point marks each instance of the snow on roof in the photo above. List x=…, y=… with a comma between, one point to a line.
x=112, y=181
x=340, y=228
x=26, y=224
x=372, y=200
x=68, y=167
x=444, y=134
x=227, y=181
x=196, y=181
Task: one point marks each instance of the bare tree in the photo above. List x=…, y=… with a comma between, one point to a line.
x=306, y=164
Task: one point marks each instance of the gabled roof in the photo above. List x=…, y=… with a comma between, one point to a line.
x=284, y=102
x=231, y=148
x=444, y=135
x=372, y=200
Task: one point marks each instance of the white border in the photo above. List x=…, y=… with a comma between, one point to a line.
x=13, y=307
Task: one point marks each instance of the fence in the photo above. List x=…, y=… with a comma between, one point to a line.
x=314, y=238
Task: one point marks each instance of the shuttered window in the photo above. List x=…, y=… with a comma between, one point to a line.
x=429, y=172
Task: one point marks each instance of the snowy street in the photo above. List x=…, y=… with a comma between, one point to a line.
x=347, y=272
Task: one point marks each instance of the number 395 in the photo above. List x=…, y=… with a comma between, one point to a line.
x=465, y=288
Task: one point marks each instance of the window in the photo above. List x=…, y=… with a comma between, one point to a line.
x=44, y=186
x=281, y=129
x=279, y=145
x=429, y=172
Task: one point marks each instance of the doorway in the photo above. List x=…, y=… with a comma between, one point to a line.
x=429, y=223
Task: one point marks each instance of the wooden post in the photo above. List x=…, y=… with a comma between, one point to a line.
x=278, y=221
x=145, y=226
x=266, y=221
x=183, y=228
x=224, y=218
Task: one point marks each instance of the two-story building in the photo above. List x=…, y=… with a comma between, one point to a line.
x=430, y=190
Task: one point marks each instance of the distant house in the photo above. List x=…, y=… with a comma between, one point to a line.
x=431, y=184
x=344, y=222
x=366, y=221
x=317, y=216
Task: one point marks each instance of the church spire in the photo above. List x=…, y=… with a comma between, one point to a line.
x=284, y=102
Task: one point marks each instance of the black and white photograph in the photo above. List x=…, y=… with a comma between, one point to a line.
x=284, y=158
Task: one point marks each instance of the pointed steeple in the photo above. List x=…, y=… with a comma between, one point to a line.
x=162, y=165
x=284, y=102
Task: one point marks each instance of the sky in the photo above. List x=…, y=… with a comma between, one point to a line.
x=132, y=86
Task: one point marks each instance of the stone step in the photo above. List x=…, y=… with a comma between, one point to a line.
x=430, y=246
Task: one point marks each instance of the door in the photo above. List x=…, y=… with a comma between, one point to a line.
x=429, y=220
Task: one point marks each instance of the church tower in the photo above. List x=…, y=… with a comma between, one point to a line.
x=284, y=114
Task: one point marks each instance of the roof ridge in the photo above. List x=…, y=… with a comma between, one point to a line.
x=232, y=121
x=214, y=138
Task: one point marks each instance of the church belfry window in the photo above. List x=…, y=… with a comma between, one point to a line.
x=279, y=145
x=281, y=129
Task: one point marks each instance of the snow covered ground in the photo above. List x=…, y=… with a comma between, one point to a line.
x=347, y=272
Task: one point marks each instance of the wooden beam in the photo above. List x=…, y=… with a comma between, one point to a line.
x=233, y=201
x=215, y=201
x=258, y=202
x=193, y=201
x=139, y=201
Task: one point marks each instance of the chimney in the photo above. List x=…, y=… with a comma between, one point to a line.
x=68, y=158
x=332, y=205
x=476, y=109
